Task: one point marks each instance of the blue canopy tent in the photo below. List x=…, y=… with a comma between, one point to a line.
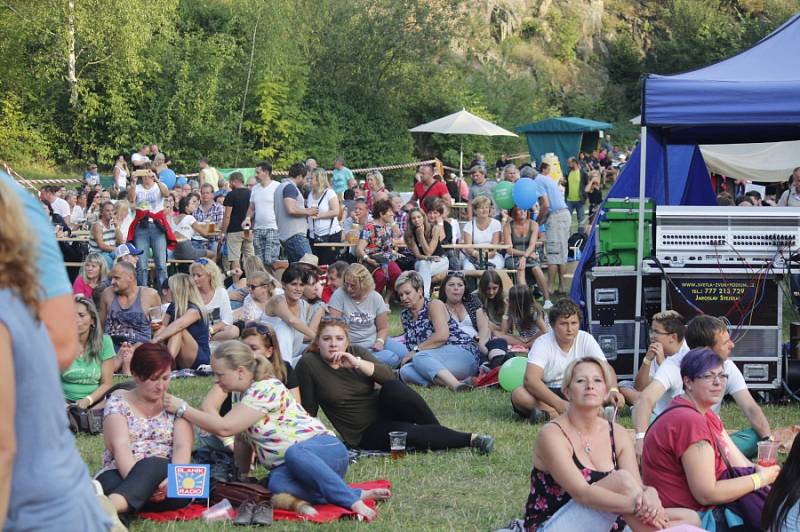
x=565, y=136
x=753, y=96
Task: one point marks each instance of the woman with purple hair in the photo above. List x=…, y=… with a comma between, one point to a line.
x=683, y=449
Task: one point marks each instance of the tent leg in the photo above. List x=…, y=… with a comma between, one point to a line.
x=461, y=161
x=637, y=330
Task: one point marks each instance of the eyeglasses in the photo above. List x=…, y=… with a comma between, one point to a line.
x=331, y=319
x=710, y=378
x=254, y=286
x=654, y=332
x=201, y=261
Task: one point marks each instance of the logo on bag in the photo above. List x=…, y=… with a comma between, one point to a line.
x=188, y=481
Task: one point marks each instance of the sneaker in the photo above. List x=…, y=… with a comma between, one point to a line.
x=262, y=514
x=108, y=508
x=482, y=443
x=539, y=416
x=244, y=515
x=547, y=304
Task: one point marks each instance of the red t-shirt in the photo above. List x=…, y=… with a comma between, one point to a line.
x=438, y=190
x=664, y=445
x=327, y=292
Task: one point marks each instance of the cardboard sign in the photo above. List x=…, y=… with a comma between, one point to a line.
x=188, y=481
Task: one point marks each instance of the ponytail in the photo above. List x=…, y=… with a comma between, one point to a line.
x=236, y=354
x=263, y=368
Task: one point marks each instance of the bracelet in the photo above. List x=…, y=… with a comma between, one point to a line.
x=646, y=361
x=756, y=478
x=211, y=330
x=639, y=436
x=89, y=398
x=614, y=389
x=381, y=340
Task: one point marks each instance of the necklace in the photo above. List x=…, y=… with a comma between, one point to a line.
x=587, y=444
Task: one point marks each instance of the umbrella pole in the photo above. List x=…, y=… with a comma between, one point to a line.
x=637, y=331
x=461, y=161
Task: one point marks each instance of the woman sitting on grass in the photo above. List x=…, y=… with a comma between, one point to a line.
x=438, y=350
x=142, y=438
x=92, y=273
x=585, y=473
x=342, y=379
x=90, y=376
x=525, y=317
x=185, y=328
x=305, y=459
x=490, y=294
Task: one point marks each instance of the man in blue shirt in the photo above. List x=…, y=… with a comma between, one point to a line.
x=92, y=177
x=553, y=212
x=341, y=176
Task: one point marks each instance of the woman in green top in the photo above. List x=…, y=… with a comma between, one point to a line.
x=90, y=375
x=341, y=378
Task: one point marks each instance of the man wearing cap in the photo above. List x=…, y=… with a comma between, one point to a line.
x=428, y=187
x=291, y=214
x=124, y=305
x=553, y=212
x=91, y=177
x=480, y=187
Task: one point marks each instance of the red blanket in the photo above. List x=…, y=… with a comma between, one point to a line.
x=325, y=512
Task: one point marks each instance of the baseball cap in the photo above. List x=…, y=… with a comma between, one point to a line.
x=127, y=249
x=220, y=193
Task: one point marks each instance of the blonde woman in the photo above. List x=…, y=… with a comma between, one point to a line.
x=482, y=229
x=185, y=327
x=92, y=273
x=325, y=226
x=376, y=190
x=305, y=459
x=261, y=288
x=209, y=281
x=123, y=218
x=237, y=291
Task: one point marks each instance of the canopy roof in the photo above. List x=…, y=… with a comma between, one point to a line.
x=757, y=92
x=463, y=123
x=564, y=124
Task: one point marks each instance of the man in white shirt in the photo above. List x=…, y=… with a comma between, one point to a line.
x=702, y=331
x=140, y=158
x=59, y=205
x=667, y=330
x=540, y=398
x=262, y=204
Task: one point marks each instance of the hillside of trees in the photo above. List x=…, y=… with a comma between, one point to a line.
x=243, y=80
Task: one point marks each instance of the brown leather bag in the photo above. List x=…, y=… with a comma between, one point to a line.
x=239, y=492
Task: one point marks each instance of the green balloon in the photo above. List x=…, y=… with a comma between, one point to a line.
x=503, y=195
x=512, y=372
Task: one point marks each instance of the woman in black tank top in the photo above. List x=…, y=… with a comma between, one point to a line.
x=585, y=475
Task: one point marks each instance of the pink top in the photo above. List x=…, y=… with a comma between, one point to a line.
x=81, y=287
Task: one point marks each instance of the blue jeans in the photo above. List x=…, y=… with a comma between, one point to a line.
x=392, y=353
x=150, y=236
x=296, y=246
x=313, y=470
x=426, y=364
x=576, y=206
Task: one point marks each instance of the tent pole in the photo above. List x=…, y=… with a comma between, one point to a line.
x=637, y=327
x=461, y=161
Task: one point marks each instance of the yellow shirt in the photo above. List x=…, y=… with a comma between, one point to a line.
x=574, y=181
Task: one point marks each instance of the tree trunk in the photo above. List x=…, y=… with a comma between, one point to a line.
x=72, y=78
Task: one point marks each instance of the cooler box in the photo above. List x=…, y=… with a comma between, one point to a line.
x=618, y=231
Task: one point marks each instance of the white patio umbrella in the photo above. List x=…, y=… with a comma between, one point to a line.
x=463, y=123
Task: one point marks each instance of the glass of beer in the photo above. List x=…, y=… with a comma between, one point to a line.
x=212, y=227
x=397, y=444
x=156, y=315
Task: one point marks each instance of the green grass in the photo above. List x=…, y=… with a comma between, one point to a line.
x=455, y=490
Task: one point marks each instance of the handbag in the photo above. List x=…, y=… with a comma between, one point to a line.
x=323, y=238
x=86, y=421
x=238, y=492
x=749, y=507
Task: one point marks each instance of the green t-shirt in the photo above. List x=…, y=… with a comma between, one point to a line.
x=83, y=376
x=574, y=180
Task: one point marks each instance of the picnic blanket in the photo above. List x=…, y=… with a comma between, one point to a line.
x=325, y=512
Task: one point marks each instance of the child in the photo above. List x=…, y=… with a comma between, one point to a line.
x=525, y=316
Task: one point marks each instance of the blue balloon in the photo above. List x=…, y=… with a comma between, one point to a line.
x=525, y=193
x=168, y=178
x=182, y=180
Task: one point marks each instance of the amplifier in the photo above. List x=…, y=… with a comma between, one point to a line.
x=726, y=236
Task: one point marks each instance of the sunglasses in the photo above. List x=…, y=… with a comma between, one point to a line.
x=331, y=319
x=201, y=261
x=254, y=286
x=259, y=327
x=458, y=274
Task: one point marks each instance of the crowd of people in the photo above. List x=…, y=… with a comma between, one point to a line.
x=284, y=338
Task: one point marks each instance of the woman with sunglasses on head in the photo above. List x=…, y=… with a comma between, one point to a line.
x=185, y=328
x=439, y=352
x=465, y=309
x=292, y=317
x=342, y=379
x=208, y=279
x=305, y=459
x=366, y=314
x=687, y=450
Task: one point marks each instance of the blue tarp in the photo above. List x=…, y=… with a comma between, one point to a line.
x=688, y=184
x=751, y=97
x=564, y=136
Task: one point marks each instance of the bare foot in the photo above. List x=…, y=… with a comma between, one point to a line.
x=378, y=494
x=364, y=511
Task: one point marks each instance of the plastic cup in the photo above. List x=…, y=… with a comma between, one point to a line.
x=397, y=444
x=222, y=511
x=156, y=315
x=767, y=453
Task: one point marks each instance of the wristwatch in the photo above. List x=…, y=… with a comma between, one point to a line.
x=415, y=349
x=639, y=436
x=181, y=410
